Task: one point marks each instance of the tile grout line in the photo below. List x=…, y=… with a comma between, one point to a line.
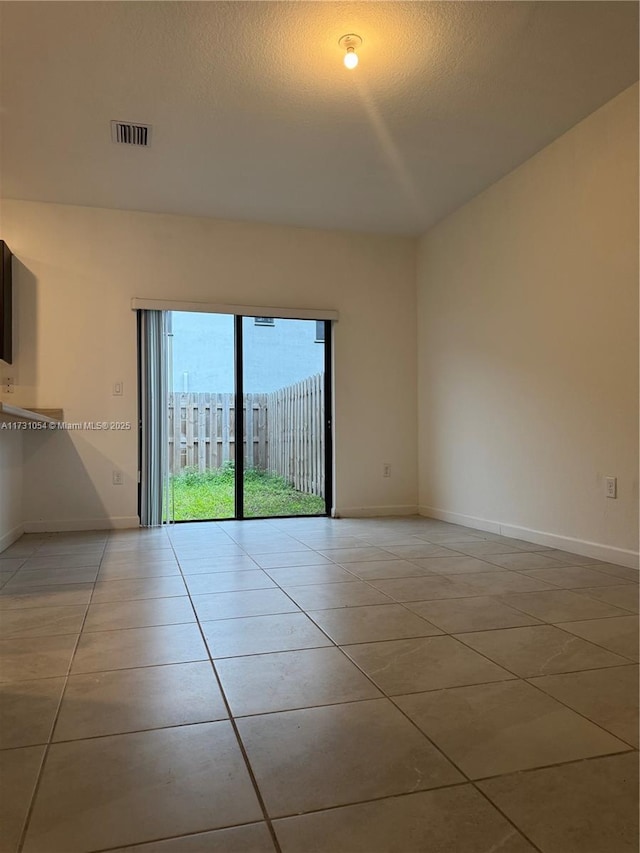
x=231, y=718
x=322, y=705
x=467, y=779
x=465, y=782
x=232, y=722
x=527, y=680
x=36, y=788
x=593, y=642
x=434, y=745
x=516, y=677
x=413, y=724
x=140, y=844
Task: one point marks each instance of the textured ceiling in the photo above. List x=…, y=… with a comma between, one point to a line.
x=255, y=117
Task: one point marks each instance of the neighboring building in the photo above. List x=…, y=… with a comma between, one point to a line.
x=277, y=352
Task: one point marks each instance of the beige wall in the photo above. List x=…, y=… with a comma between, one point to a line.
x=11, y=519
x=528, y=353
x=526, y=370
x=76, y=270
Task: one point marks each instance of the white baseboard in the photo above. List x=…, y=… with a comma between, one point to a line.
x=10, y=537
x=374, y=511
x=597, y=550
x=66, y=525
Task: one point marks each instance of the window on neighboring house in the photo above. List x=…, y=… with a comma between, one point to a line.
x=264, y=321
x=320, y=331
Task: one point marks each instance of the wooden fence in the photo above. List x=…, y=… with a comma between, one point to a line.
x=283, y=432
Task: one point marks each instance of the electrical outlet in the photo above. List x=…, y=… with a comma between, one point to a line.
x=117, y=478
x=611, y=487
x=386, y=469
x=118, y=389
x=7, y=385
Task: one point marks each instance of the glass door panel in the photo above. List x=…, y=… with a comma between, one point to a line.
x=202, y=416
x=283, y=384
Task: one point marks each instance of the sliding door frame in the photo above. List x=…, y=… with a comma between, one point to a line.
x=328, y=417
x=238, y=432
x=239, y=453
x=238, y=357
x=139, y=398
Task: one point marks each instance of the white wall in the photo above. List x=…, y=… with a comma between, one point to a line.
x=528, y=354
x=11, y=519
x=527, y=367
x=75, y=272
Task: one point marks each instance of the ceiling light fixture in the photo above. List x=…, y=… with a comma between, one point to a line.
x=349, y=43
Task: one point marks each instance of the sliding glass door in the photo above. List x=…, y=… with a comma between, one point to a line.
x=283, y=385
x=247, y=425
x=202, y=415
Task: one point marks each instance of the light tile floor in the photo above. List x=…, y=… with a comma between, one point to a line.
x=315, y=686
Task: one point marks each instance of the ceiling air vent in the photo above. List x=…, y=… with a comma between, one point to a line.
x=128, y=133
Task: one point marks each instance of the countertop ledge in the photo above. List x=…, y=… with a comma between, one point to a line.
x=16, y=414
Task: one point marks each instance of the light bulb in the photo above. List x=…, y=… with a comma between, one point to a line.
x=350, y=58
x=349, y=43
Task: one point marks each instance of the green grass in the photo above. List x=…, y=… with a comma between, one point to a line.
x=210, y=494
